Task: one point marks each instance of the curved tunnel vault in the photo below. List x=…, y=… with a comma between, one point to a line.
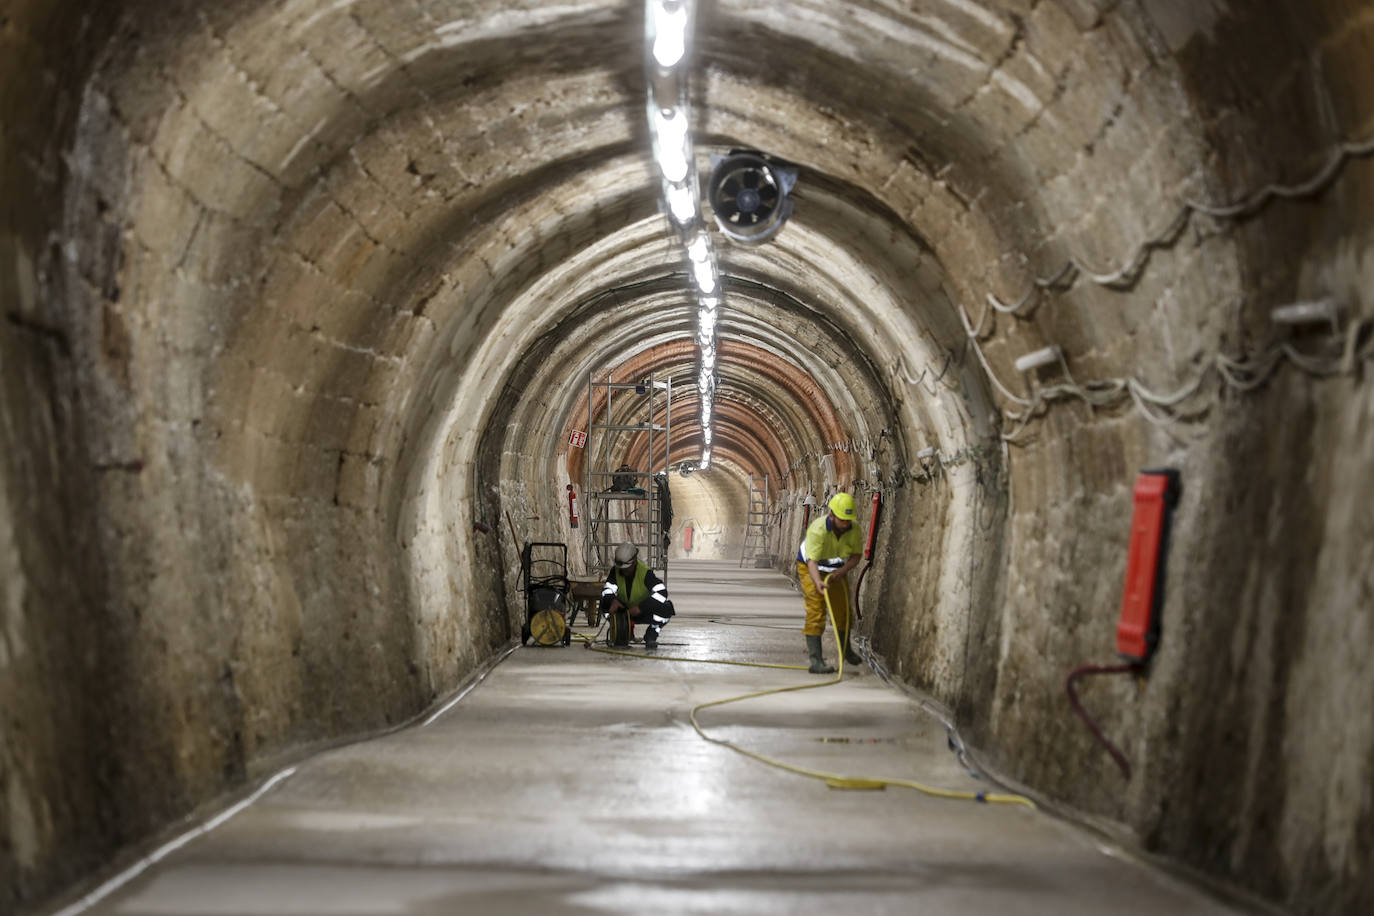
x=302, y=299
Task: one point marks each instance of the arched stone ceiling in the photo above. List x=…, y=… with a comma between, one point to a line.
x=409, y=220
x=433, y=208
x=409, y=246
x=325, y=279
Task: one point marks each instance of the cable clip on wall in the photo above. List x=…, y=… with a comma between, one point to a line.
x=930, y=461
x=1137, y=632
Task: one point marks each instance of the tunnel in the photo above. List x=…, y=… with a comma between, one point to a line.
x=302, y=299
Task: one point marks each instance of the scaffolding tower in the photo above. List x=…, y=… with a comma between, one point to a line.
x=756, y=532
x=624, y=503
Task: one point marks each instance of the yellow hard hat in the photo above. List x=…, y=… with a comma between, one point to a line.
x=842, y=504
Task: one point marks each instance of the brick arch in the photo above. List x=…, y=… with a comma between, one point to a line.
x=678, y=358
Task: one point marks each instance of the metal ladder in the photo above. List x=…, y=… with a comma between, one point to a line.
x=756, y=533
x=627, y=504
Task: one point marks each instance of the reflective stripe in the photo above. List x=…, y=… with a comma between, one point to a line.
x=823, y=542
x=608, y=589
x=660, y=587
x=828, y=564
x=659, y=621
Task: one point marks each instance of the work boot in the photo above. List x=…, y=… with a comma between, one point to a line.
x=850, y=656
x=818, y=665
x=651, y=638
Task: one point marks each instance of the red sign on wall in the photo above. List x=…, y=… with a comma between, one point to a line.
x=578, y=439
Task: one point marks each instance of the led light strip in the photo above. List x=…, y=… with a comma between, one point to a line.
x=668, y=28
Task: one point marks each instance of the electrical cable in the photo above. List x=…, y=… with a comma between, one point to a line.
x=858, y=586
x=1242, y=374
x=978, y=351
x=1134, y=263
x=1237, y=374
x=1106, y=742
x=1037, y=284
x=589, y=642
x=732, y=622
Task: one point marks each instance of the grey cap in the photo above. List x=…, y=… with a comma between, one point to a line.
x=625, y=555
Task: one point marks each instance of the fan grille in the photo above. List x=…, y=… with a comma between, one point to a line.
x=748, y=196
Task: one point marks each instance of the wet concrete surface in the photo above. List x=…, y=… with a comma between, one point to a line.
x=572, y=782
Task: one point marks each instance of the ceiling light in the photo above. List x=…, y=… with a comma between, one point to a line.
x=670, y=125
x=706, y=276
x=682, y=203
x=699, y=249
x=670, y=32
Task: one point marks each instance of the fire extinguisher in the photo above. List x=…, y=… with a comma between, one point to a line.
x=572, y=507
x=868, y=550
x=687, y=538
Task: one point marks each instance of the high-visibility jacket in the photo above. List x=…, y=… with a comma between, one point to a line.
x=829, y=548
x=633, y=592
x=643, y=589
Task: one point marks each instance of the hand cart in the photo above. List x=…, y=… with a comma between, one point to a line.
x=544, y=574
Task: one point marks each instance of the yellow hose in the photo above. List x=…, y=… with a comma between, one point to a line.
x=832, y=780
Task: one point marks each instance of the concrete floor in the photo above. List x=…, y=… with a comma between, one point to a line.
x=571, y=782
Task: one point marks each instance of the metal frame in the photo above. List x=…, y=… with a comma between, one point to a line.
x=616, y=516
x=756, y=531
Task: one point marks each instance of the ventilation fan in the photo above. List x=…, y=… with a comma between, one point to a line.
x=749, y=195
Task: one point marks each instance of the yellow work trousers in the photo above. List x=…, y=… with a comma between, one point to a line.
x=815, y=602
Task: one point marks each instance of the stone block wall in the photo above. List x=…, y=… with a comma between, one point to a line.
x=298, y=300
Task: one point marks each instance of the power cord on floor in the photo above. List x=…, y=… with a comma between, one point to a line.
x=832, y=780
x=589, y=642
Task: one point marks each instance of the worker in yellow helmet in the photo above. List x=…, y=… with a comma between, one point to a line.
x=833, y=547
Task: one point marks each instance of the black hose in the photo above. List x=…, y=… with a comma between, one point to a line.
x=859, y=614
x=1084, y=671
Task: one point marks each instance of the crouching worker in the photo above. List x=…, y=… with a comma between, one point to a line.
x=833, y=547
x=634, y=594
